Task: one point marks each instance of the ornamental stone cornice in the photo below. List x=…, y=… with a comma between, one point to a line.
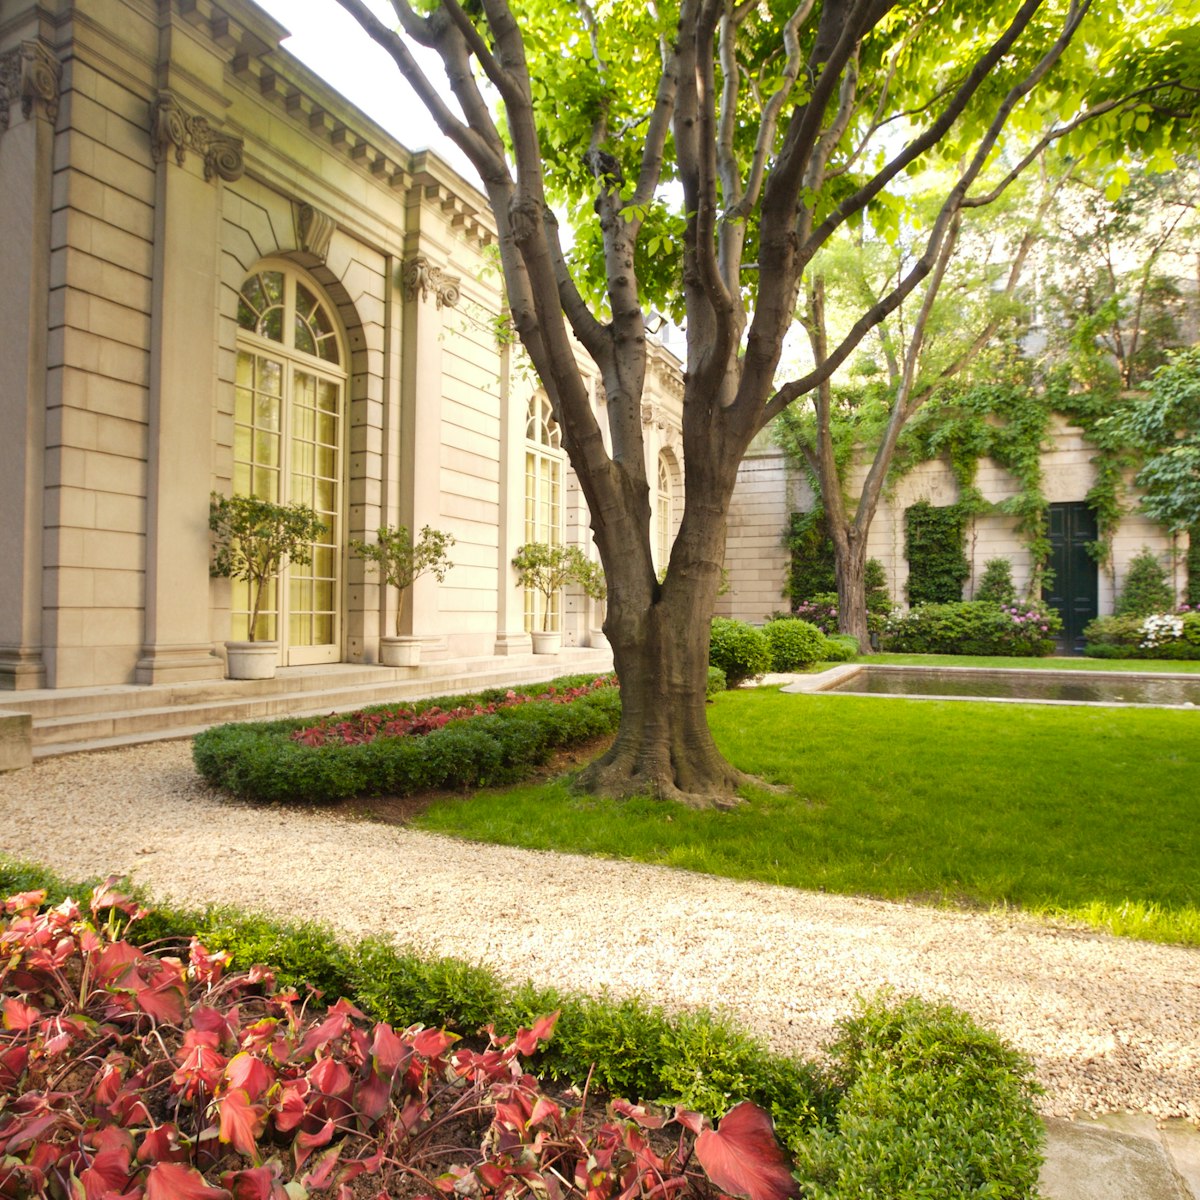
x=272, y=77
x=173, y=128
x=422, y=279
x=30, y=74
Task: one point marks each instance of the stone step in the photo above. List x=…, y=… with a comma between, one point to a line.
x=180, y=713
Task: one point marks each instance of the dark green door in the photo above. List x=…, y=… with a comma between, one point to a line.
x=1074, y=588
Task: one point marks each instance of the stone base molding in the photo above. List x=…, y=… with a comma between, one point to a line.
x=21, y=669
x=178, y=664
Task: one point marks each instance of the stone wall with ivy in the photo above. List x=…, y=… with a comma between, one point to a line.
x=770, y=489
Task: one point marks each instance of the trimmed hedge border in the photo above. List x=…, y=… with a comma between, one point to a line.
x=260, y=761
x=917, y=1101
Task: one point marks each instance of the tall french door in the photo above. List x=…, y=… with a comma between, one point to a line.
x=288, y=447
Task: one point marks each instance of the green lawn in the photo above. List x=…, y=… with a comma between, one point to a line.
x=1089, y=813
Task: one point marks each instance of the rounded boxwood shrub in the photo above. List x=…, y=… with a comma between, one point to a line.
x=794, y=644
x=841, y=647
x=738, y=649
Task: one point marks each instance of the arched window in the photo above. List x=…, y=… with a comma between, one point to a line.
x=543, y=500
x=288, y=446
x=664, y=516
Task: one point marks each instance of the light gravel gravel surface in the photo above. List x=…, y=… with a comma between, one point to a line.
x=1112, y=1024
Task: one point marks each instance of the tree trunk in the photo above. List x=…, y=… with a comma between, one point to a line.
x=850, y=562
x=660, y=635
x=663, y=746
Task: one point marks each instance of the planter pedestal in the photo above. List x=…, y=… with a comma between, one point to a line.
x=400, y=651
x=546, y=643
x=251, y=660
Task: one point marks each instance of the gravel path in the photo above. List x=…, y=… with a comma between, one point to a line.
x=1112, y=1024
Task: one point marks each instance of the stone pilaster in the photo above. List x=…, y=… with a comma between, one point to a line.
x=511, y=637
x=427, y=292
x=182, y=390
x=29, y=97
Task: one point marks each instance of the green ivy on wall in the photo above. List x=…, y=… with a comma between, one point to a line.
x=935, y=545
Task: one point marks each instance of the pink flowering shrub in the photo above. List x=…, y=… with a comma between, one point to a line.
x=977, y=627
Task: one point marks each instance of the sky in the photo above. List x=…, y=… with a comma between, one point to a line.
x=329, y=41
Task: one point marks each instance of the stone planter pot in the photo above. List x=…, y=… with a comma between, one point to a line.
x=400, y=651
x=546, y=643
x=251, y=660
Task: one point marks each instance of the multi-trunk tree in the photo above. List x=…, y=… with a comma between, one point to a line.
x=689, y=140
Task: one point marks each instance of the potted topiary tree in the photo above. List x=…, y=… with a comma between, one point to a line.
x=548, y=569
x=401, y=563
x=252, y=539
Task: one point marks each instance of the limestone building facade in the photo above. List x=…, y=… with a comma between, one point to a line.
x=221, y=277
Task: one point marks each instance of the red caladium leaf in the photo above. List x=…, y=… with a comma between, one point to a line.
x=162, y=1145
x=742, y=1157
x=19, y=1015
x=200, y=1064
x=527, y=1040
x=112, y=961
x=241, y=1122
x=209, y=1020
x=109, y=1172
x=689, y=1120
x=256, y=1183
x=12, y=1066
x=163, y=992
x=389, y=1051
x=25, y=901
x=373, y=1096
x=545, y=1109
x=639, y=1113
x=306, y=1143
x=174, y=1181
x=27, y=1131
x=106, y=896
x=330, y=1077
x=293, y=1105
x=206, y=967
x=433, y=1043
x=321, y=1174
x=250, y=1074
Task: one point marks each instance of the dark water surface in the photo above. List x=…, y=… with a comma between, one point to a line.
x=1078, y=686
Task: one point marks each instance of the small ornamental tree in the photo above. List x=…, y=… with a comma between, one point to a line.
x=253, y=539
x=548, y=569
x=401, y=561
x=996, y=583
x=1146, y=588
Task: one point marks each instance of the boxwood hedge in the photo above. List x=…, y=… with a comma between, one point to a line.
x=261, y=761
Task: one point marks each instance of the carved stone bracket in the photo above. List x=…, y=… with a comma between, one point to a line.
x=314, y=230
x=31, y=74
x=172, y=126
x=421, y=277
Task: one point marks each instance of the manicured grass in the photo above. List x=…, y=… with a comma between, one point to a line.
x=1074, y=663
x=1089, y=813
